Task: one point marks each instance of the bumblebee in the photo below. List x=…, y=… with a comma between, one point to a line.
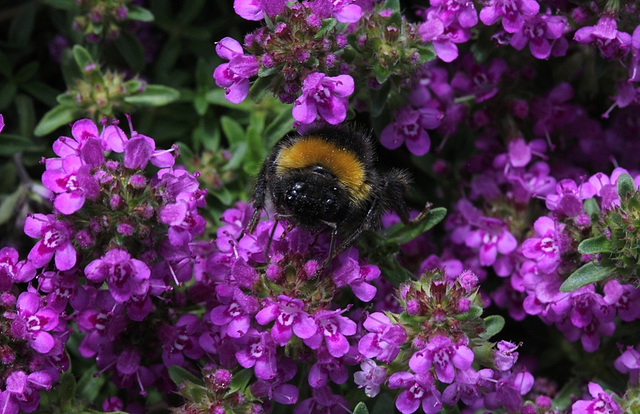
x=326, y=179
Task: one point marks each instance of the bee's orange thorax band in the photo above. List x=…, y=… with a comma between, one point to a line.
x=341, y=162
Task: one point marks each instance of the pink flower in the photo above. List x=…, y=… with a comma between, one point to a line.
x=55, y=241
x=234, y=75
x=324, y=96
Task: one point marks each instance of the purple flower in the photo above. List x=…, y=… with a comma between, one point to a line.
x=234, y=75
x=32, y=322
x=462, y=11
x=181, y=340
x=612, y=43
x=289, y=318
x=333, y=328
x=406, y=129
x=12, y=270
x=477, y=80
x=505, y=356
x=359, y=278
x=344, y=11
x=235, y=317
x=444, y=356
x=259, y=353
x=325, y=367
x=568, y=197
x=492, y=237
x=256, y=9
x=417, y=389
x=73, y=185
x=21, y=391
x=1, y=122
x=323, y=401
x=444, y=37
x=548, y=247
x=276, y=389
x=629, y=363
x=513, y=13
x=624, y=298
x=55, y=240
x=600, y=403
x=371, y=377
x=324, y=96
x=384, y=340
x=538, y=31
x=125, y=276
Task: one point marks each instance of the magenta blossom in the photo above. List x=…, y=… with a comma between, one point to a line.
x=444, y=356
x=289, y=318
x=542, y=32
x=443, y=37
x=333, y=328
x=55, y=240
x=13, y=270
x=601, y=402
x=612, y=43
x=32, y=322
x=417, y=389
x=547, y=247
x=512, y=12
x=125, y=276
x=323, y=96
x=408, y=130
x=256, y=9
x=234, y=75
x=384, y=340
x=344, y=11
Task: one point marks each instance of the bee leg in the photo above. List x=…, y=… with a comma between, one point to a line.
x=259, y=197
x=334, y=234
x=373, y=215
x=396, y=184
x=273, y=231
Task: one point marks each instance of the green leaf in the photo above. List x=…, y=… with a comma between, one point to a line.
x=232, y=130
x=88, y=386
x=12, y=143
x=626, y=186
x=278, y=128
x=361, y=408
x=379, y=98
x=426, y=52
x=592, y=208
x=265, y=72
x=26, y=114
x=62, y=4
x=593, y=245
x=493, y=326
x=259, y=89
x=139, y=13
x=180, y=376
x=587, y=274
x=154, y=95
x=383, y=404
x=131, y=50
x=327, y=24
x=82, y=57
x=41, y=91
x=392, y=5
x=239, y=151
x=22, y=24
x=240, y=380
x=474, y=313
x=9, y=204
x=7, y=93
x=67, y=388
x=55, y=118
x=382, y=73
x=426, y=220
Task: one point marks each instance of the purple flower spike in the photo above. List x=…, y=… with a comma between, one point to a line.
x=55, y=240
x=125, y=276
x=323, y=96
x=234, y=75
